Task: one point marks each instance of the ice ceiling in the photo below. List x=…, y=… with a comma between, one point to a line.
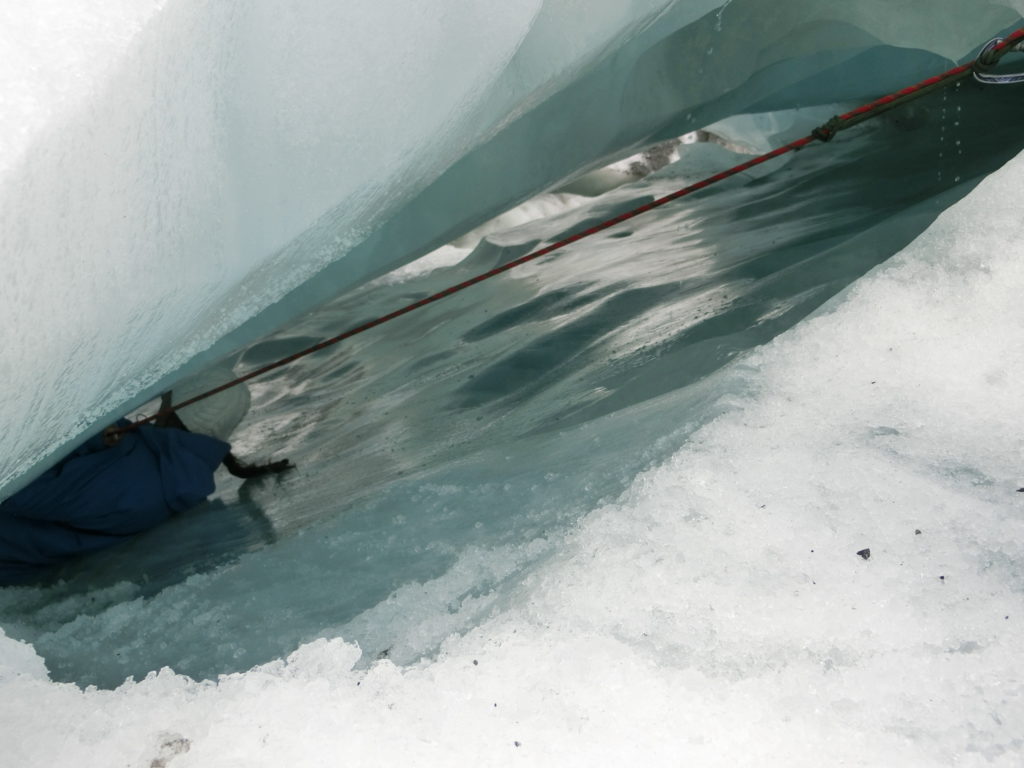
x=173, y=174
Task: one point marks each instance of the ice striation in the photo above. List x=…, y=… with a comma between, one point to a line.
x=607, y=509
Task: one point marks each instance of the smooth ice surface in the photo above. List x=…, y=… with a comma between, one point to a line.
x=178, y=167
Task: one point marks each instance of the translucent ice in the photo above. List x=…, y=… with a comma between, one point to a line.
x=171, y=170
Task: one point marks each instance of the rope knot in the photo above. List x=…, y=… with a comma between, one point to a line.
x=828, y=131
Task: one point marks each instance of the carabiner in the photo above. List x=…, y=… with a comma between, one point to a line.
x=989, y=57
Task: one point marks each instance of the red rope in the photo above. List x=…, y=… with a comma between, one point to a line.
x=824, y=133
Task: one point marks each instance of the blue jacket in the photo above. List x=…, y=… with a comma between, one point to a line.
x=100, y=495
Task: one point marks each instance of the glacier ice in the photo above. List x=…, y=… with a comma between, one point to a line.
x=645, y=554
x=716, y=611
x=215, y=157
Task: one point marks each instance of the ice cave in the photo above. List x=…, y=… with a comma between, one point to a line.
x=737, y=482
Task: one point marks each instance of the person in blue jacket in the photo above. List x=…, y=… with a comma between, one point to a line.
x=114, y=486
x=103, y=493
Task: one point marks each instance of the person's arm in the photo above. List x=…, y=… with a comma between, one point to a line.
x=166, y=417
x=169, y=418
x=246, y=471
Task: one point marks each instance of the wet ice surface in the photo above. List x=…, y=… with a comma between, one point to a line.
x=442, y=458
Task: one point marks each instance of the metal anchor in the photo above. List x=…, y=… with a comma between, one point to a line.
x=989, y=57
